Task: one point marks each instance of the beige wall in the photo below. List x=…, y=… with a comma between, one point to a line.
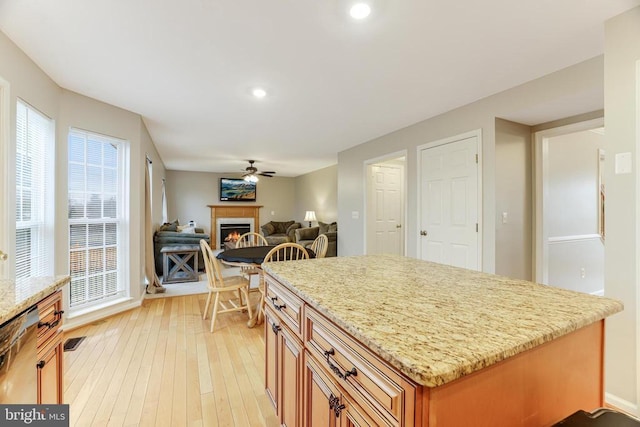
x=189, y=193
x=564, y=84
x=282, y=199
x=513, y=196
x=70, y=109
x=318, y=191
x=622, y=53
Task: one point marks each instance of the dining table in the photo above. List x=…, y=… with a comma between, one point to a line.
x=250, y=257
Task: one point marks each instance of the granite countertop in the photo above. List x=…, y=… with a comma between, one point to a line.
x=437, y=323
x=17, y=296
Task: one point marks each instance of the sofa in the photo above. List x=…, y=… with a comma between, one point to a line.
x=276, y=232
x=172, y=234
x=306, y=236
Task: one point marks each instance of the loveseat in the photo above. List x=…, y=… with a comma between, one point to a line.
x=168, y=235
x=306, y=236
x=277, y=232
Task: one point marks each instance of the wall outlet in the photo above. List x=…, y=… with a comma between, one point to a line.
x=583, y=273
x=355, y=214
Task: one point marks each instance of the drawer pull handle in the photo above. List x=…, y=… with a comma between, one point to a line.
x=41, y=364
x=275, y=328
x=334, y=404
x=335, y=369
x=58, y=313
x=49, y=325
x=278, y=307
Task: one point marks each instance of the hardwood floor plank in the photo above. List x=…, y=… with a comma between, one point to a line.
x=159, y=365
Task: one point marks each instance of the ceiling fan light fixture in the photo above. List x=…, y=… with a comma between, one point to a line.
x=259, y=93
x=251, y=178
x=360, y=10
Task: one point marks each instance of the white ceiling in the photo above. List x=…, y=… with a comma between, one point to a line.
x=188, y=66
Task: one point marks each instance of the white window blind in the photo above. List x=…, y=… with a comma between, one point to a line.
x=96, y=216
x=34, y=165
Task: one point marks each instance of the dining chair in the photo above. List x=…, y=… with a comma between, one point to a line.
x=220, y=287
x=249, y=240
x=320, y=246
x=282, y=252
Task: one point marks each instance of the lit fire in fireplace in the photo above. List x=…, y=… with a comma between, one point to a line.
x=232, y=237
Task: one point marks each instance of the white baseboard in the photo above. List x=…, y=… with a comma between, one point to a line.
x=624, y=405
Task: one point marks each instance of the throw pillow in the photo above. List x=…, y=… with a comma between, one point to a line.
x=323, y=227
x=169, y=226
x=333, y=227
x=188, y=230
x=268, y=229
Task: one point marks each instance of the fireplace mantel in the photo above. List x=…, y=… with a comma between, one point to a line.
x=230, y=211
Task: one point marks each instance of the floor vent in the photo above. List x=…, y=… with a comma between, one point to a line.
x=72, y=343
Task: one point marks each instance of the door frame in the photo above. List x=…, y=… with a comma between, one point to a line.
x=381, y=159
x=541, y=138
x=474, y=133
x=5, y=138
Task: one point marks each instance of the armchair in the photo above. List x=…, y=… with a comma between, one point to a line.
x=276, y=232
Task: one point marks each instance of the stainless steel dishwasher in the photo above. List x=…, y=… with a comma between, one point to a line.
x=18, y=371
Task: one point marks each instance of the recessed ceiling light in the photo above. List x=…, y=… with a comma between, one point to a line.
x=259, y=92
x=360, y=11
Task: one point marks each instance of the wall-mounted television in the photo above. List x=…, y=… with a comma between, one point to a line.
x=237, y=190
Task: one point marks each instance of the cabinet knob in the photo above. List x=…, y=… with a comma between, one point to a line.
x=3, y=256
x=423, y=232
x=41, y=364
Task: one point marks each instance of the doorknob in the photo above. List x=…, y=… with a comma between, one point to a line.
x=3, y=256
x=423, y=232
x=399, y=226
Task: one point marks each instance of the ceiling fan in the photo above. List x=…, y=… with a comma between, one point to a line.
x=251, y=172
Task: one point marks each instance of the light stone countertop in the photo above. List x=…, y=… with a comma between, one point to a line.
x=17, y=296
x=437, y=323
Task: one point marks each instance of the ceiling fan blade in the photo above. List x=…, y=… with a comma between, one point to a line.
x=267, y=174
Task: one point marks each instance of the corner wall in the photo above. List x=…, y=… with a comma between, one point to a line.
x=622, y=53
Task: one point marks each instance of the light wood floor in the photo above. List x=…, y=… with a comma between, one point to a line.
x=160, y=365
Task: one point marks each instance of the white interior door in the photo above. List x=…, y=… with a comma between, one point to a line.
x=449, y=203
x=385, y=213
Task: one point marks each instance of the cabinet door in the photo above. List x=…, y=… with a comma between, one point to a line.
x=270, y=356
x=50, y=373
x=290, y=377
x=320, y=398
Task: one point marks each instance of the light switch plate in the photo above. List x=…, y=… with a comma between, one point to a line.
x=623, y=163
x=355, y=214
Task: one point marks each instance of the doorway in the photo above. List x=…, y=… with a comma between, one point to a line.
x=450, y=200
x=569, y=207
x=385, y=212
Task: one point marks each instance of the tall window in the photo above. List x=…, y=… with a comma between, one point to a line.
x=96, y=218
x=34, y=201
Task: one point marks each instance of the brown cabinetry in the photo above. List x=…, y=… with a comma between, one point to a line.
x=284, y=356
x=317, y=375
x=50, y=350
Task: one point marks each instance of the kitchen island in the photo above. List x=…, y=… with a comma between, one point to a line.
x=393, y=340
x=31, y=340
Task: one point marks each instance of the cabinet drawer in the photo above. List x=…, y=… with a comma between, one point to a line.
x=50, y=312
x=286, y=305
x=365, y=377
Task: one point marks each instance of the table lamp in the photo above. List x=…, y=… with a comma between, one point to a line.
x=310, y=216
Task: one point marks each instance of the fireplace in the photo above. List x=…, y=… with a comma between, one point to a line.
x=228, y=230
x=230, y=233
